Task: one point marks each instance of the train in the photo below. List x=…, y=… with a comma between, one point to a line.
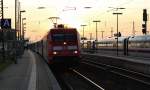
x=60, y=46
x=139, y=43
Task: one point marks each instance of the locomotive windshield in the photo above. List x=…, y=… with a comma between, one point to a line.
x=57, y=37
x=64, y=37
x=70, y=37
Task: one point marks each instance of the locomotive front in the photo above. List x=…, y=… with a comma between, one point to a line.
x=63, y=46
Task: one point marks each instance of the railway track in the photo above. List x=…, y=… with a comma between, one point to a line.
x=88, y=80
x=139, y=77
x=70, y=79
x=96, y=75
x=136, y=77
x=141, y=65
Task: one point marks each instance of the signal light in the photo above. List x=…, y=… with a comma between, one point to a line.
x=144, y=28
x=144, y=15
x=119, y=34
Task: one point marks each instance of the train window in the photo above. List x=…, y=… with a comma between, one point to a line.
x=58, y=37
x=63, y=37
x=70, y=37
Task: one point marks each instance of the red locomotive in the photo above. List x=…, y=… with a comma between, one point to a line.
x=60, y=46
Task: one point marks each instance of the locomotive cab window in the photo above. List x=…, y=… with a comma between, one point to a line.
x=58, y=37
x=70, y=37
x=64, y=37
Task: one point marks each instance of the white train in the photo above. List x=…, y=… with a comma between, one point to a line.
x=132, y=43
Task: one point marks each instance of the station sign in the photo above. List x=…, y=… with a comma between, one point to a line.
x=5, y=23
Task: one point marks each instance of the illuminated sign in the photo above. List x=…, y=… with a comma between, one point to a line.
x=5, y=23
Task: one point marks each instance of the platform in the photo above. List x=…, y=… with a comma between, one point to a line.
x=30, y=73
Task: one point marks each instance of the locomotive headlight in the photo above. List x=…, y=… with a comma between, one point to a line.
x=75, y=52
x=55, y=53
x=65, y=43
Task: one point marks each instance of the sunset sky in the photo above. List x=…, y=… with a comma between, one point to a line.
x=73, y=13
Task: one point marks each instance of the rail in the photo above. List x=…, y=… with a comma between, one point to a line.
x=87, y=79
x=139, y=77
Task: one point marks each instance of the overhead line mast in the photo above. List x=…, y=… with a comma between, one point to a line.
x=3, y=40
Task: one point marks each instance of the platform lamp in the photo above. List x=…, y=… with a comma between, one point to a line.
x=22, y=11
